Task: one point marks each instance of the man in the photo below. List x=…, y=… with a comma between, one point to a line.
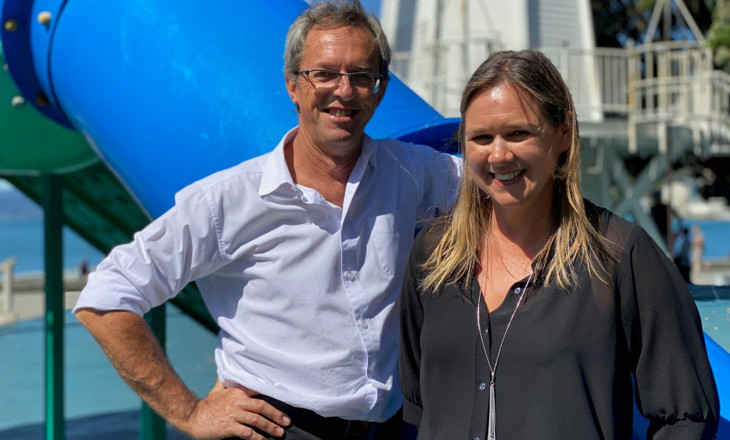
x=298, y=254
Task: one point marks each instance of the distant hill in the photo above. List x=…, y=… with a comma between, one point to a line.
x=15, y=206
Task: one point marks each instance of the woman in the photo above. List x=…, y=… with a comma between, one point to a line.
x=526, y=311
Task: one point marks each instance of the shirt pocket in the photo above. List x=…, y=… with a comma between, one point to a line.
x=385, y=242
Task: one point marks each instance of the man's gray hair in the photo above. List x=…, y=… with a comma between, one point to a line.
x=329, y=14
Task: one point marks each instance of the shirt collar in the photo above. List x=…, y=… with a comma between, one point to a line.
x=276, y=173
x=367, y=156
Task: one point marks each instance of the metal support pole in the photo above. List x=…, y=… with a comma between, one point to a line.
x=53, y=255
x=151, y=425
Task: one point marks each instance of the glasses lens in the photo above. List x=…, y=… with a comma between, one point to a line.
x=324, y=78
x=362, y=80
x=329, y=79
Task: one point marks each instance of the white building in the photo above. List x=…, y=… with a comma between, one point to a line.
x=437, y=44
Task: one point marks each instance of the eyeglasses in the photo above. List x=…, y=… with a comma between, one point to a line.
x=330, y=79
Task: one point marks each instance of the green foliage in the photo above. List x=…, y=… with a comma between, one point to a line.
x=718, y=38
x=617, y=21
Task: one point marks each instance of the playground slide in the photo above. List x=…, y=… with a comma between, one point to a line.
x=166, y=94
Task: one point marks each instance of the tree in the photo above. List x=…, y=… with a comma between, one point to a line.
x=617, y=21
x=718, y=37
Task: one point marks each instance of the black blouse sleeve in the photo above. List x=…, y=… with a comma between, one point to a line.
x=411, y=318
x=675, y=388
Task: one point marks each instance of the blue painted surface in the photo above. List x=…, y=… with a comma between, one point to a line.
x=720, y=360
x=27, y=46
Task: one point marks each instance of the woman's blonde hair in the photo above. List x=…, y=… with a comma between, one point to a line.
x=574, y=237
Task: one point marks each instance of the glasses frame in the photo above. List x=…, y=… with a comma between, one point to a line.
x=378, y=77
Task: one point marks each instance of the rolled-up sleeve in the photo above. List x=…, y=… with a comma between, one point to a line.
x=178, y=247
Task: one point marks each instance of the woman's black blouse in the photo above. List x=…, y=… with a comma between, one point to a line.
x=565, y=371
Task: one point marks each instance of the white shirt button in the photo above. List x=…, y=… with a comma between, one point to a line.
x=364, y=325
x=350, y=276
x=518, y=290
x=482, y=386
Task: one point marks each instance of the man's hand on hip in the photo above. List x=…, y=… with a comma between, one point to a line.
x=234, y=412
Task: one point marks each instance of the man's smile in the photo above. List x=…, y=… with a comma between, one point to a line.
x=340, y=112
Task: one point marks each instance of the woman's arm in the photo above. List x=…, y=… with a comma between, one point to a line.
x=411, y=320
x=675, y=387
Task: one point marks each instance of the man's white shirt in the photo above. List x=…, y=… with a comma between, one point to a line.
x=304, y=291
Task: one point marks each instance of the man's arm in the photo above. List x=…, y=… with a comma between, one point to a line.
x=138, y=358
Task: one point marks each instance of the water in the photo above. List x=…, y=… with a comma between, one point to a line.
x=23, y=240
x=717, y=237
x=715, y=316
x=98, y=404
x=93, y=388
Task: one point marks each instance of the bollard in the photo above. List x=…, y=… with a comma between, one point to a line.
x=7, y=311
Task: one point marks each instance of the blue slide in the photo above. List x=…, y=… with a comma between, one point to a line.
x=169, y=91
x=168, y=94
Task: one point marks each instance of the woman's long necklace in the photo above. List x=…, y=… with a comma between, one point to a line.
x=492, y=423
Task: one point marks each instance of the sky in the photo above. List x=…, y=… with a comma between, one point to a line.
x=372, y=6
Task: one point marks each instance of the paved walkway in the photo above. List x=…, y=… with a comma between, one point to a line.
x=29, y=299
x=713, y=273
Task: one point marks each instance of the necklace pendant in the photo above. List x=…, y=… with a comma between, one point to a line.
x=492, y=424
